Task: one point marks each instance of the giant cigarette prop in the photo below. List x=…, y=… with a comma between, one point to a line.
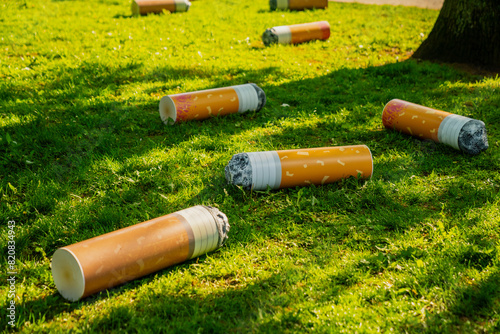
x=143, y=7
x=211, y=102
x=459, y=132
x=302, y=167
x=297, y=4
x=87, y=267
x=297, y=33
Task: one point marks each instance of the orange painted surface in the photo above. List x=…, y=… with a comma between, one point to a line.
x=152, y=6
x=309, y=31
x=206, y=103
x=413, y=119
x=120, y=256
x=324, y=165
x=307, y=4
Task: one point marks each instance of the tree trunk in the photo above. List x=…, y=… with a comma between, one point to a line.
x=466, y=31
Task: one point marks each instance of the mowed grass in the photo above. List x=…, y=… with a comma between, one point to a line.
x=83, y=152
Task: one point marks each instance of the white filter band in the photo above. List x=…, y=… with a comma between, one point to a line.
x=266, y=170
x=449, y=129
x=247, y=96
x=257, y=169
x=284, y=34
x=182, y=5
x=206, y=235
x=282, y=4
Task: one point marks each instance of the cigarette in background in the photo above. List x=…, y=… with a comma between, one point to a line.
x=297, y=4
x=301, y=167
x=103, y=262
x=211, y=102
x=297, y=33
x=143, y=7
x=462, y=133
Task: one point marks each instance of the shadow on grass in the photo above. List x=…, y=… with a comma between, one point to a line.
x=70, y=138
x=72, y=86
x=67, y=134
x=471, y=303
x=478, y=298
x=240, y=305
x=261, y=305
x=54, y=151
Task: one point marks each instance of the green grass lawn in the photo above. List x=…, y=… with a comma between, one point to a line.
x=83, y=152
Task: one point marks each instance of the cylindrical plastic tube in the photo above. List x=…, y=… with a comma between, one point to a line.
x=297, y=33
x=143, y=7
x=301, y=167
x=103, y=262
x=462, y=133
x=211, y=102
x=297, y=4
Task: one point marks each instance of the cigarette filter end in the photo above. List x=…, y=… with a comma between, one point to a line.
x=472, y=138
x=68, y=274
x=222, y=224
x=261, y=95
x=168, y=111
x=239, y=171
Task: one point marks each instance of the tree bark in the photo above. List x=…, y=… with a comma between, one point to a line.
x=466, y=31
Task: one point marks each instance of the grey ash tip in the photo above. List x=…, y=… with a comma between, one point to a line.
x=472, y=137
x=222, y=223
x=239, y=171
x=269, y=37
x=261, y=95
x=273, y=4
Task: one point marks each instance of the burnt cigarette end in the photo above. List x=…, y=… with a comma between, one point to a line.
x=270, y=37
x=261, y=96
x=472, y=137
x=273, y=4
x=239, y=171
x=222, y=224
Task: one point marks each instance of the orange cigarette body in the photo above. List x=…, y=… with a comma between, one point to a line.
x=324, y=165
x=307, y=4
x=297, y=4
x=165, y=235
x=413, y=119
x=211, y=102
x=297, y=33
x=205, y=104
x=310, y=31
x=143, y=7
x=117, y=257
x=154, y=6
x=460, y=132
x=301, y=167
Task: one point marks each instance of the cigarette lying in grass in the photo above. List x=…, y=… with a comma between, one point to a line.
x=297, y=4
x=297, y=33
x=212, y=102
x=301, y=167
x=143, y=7
x=462, y=133
x=103, y=262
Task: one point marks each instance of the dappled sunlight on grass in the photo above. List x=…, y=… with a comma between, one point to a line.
x=83, y=152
